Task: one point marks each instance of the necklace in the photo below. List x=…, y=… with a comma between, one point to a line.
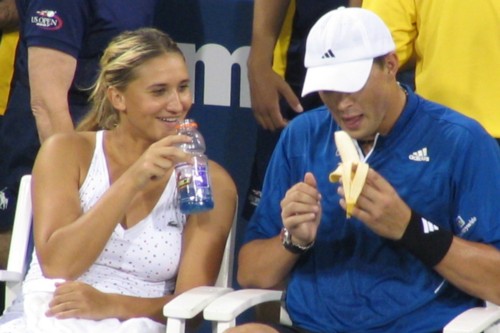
x=406, y=93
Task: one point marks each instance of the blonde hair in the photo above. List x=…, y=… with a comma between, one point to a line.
x=124, y=54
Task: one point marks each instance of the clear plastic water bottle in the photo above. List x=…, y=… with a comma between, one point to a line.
x=193, y=181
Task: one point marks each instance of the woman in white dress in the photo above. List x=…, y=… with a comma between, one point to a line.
x=111, y=246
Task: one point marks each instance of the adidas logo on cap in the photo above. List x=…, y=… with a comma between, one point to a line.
x=328, y=54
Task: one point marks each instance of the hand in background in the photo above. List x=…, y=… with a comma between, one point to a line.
x=266, y=88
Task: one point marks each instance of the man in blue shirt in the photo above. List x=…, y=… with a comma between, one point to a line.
x=422, y=243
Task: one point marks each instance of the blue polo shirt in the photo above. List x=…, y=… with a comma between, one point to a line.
x=443, y=164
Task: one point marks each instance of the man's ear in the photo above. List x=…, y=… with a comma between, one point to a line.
x=116, y=98
x=392, y=63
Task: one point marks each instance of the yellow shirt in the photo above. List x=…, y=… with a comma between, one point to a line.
x=280, y=50
x=8, y=43
x=456, y=45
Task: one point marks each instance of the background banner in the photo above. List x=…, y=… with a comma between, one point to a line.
x=215, y=37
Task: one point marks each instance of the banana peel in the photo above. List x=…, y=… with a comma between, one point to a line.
x=352, y=170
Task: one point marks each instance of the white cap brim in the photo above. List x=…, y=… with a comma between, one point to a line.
x=346, y=77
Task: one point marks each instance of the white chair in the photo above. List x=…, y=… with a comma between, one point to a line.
x=185, y=306
x=225, y=309
x=19, y=255
x=190, y=303
x=476, y=320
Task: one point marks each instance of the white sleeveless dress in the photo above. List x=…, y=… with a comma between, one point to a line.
x=141, y=261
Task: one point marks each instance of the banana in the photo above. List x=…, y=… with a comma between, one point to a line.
x=345, y=146
x=352, y=170
x=347, y=152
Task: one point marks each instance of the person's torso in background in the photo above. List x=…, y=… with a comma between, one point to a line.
x=307, y=12
x=80, y=28
x=458, y=64
x=456, y=45
x=8, y=44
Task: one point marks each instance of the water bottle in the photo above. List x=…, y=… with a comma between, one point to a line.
x=193, y=181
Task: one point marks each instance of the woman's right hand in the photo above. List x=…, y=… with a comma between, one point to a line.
x=158, y=159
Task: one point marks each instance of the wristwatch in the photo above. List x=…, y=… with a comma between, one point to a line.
x=286, y=240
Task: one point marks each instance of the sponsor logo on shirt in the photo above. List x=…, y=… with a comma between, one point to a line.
x=465, y=226
x=47, y=19
x=172, y=223
x=420, y=155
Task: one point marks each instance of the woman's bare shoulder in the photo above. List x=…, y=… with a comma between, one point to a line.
x=218, y=170
x=70, y=138
x=72, y=143
x=67, y=149
x=221, y=177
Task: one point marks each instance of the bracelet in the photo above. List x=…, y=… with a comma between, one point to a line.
x=286, y=240
x=425, y=240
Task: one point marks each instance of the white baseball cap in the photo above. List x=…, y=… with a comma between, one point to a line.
x=340, y=49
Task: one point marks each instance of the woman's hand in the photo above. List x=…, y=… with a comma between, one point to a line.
x=158, y=159
x=75, y=299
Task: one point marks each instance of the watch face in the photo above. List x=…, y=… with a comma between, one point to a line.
x=286, y=239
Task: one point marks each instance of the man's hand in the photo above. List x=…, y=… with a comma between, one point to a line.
x=380, y=207
x=301, y=210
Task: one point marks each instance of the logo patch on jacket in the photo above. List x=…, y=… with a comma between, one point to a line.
x=47, y=19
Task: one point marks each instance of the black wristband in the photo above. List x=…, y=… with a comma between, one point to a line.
x=425, y=240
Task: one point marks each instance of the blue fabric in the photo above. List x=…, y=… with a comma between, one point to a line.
x=80, y=28
x=353, y=280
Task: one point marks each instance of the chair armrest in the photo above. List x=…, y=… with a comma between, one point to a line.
x=192, y=302
x=474, y=320
x=10, y=276
x=189, y=304
x=227, y=307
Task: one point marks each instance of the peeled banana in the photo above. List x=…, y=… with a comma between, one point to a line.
x=352, y=170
